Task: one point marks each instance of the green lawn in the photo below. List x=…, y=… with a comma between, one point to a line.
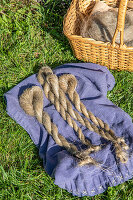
x=31, y=35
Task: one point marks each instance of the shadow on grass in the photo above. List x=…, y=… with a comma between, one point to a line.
x=54, y=65
x=53, y=13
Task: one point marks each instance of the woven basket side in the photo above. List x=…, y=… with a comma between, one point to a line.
x=103, y=54
x=89, y=50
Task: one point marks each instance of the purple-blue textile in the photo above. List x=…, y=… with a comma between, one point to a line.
x=93, y=83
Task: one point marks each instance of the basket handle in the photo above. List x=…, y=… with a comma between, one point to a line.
x=120, y=22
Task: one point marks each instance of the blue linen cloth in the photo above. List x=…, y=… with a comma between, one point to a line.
x=93, y=83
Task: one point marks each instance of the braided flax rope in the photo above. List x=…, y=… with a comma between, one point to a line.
x=55, y=90
x=32, y=103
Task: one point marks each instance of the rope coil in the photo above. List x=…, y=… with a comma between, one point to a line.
x=55, y=89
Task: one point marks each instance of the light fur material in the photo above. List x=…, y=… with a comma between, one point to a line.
x=101, y=24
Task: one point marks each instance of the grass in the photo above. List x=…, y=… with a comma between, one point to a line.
x=31, y=35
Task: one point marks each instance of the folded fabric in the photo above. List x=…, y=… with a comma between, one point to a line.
x=93, y=83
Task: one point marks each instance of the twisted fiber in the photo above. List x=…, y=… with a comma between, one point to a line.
x=51, y=85
x=32, y=103
x=64, y=106
x=68, y=84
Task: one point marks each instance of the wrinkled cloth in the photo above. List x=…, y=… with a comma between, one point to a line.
x=93, y=83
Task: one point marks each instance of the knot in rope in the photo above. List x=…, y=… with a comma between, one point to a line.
x=32, y=102
x=52, y=80
x=43, y=72
x=68, y=83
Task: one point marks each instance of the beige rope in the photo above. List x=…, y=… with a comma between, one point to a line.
x=65, y=82
x=53, y=97
x=55, y=91
x=32, y=103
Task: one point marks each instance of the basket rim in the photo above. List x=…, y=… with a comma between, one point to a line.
x=97, y=43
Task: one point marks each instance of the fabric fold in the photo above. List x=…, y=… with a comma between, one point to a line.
x=93, y=83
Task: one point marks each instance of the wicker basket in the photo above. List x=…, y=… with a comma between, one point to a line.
x=112, y=55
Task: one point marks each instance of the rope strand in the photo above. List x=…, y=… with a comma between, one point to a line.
x=55, y=90
x=65, y=82
x=32, y=103
x=60, y=107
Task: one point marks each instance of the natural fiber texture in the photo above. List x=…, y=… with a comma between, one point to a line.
x=55, y=91
x=63, y=106
x=89, y=180
x=32, y=103
x=110, y=54
x=101, y=25
x=65, y=83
